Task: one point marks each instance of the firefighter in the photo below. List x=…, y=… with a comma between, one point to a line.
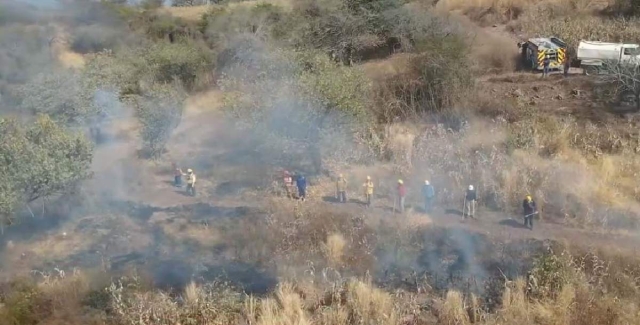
x=301, y=183
x=545, y=66
x=530, y=210
x=177, y=175
x=428, y=192
x=368, y=190
x=341, y=189
x=470, y=199
x=288, y=184
x=191, y=182
x=402, y=192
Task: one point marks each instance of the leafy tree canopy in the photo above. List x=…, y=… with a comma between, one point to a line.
x=39, y=160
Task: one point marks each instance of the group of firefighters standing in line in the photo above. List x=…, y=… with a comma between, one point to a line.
x=299, y=182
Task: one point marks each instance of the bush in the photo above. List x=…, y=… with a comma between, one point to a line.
x=24, y=304
x=96, y=38
x=159, y=110
x=183, y=61
x=222, y=26
x=298, y=100
x=39, y=161
x=159, y=26
x=439, y=80
x=61, y=95
x=24, y=52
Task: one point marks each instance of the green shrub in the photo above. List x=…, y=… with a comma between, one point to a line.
x=24, y=304
x=38, y=161
x=159, y=110
x=222, y=26
x=96, y=38
x=160, y=26
x=183, y=61
x=24, y=52
x=61, y=95
x=440, y=79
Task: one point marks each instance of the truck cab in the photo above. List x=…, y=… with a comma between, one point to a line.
x=630, y=54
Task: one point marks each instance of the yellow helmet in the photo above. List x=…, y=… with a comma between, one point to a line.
x=528, y=197
x=400, y=181
x=189, y=170
x=368, y=178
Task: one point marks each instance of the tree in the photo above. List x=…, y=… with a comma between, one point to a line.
x=626, y=79
x=298, y=104
x=159, y=112
x=39, y=161
x=61, y=95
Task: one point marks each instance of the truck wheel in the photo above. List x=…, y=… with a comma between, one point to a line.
x=590, y=70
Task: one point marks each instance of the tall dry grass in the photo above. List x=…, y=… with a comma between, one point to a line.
x=571, y=26
x=489, y=12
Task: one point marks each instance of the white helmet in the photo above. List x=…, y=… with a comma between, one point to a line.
x=426, y=182
x=470, y=187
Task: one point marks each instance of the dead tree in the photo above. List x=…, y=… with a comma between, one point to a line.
x=626, y=79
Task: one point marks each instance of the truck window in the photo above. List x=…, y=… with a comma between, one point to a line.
x=631, y=51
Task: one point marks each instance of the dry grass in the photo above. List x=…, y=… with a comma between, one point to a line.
x=382, y=69
x=573, y=27
x=334, y=249
x=195, y=13
x=564, y=286
x=489, y=12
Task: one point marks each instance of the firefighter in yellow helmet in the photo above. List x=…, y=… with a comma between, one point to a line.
x=368, y=190
x=530, y=210
x=191, y=182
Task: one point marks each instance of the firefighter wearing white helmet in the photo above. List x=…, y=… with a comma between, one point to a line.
x=470, y=198
x=428, y=193
x=368, y=190
x=191, y=182
x=402, y=193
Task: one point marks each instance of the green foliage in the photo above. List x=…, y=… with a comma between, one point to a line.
x=39, y=161
x=221, y=26
x=24, y=52
x=299, y=102
x=159, y=112
x=336, y=87
x=160, y=62
x=183, y=61
x=160, y=26
x=62, y=95
x=445, y=73
x=24, y=305
x=108, y=70
x=442, y=77
x=550, y=273
x=96, y=38
x=310, y=75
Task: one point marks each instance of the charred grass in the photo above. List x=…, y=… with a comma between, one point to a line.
x=335, y=269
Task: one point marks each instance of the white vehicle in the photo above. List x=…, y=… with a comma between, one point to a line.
x=593, y=55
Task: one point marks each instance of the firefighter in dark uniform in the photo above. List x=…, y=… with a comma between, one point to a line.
x=530, y=210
